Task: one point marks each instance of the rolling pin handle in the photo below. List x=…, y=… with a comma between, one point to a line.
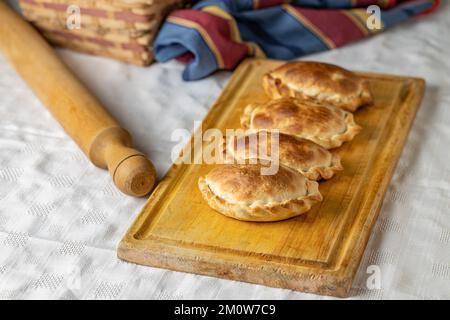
x=130, y=170
x=83, y=117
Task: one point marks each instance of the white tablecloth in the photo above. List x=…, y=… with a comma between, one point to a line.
x=61, y=218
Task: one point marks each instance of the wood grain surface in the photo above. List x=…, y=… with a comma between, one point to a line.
x=318, y=252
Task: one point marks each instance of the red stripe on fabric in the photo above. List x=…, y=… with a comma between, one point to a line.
x=124, y=15
x=366, y=3
x=392, y=3
x=134, y=47
x=74, y=37
x=186, y=58
x=219, y=31
x=435, y=6
x=87, y=11
x=63, y=7
x=55, y=6
x=363, y=3
x=94, y=12
x=68, y=36
x=101, y=42
x=385, y=4
x=268, y=3
x=337, y=26
x=131, y=17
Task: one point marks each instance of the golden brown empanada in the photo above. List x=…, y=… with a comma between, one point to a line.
x=243, y=193
x=312, y=160
x=327, y=126
x=320, y=83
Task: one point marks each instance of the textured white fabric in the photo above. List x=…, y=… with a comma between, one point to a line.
x=61, y=218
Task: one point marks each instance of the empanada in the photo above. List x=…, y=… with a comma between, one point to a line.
x=243, y=193
x=320, y=83
x=312, y=160
x=327, y=126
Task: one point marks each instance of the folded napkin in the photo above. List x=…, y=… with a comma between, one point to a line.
x=218, y=34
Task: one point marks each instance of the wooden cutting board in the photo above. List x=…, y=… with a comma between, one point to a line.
x=318, y=252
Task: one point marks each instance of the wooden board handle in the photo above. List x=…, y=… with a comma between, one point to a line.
x=82, y=116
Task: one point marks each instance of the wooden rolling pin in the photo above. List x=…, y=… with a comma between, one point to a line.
x=97, y=133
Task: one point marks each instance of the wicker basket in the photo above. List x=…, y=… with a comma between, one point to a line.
x=120, y=29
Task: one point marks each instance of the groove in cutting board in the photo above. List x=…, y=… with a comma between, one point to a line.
x=318, y=252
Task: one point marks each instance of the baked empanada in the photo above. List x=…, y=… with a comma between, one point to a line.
x=327, y=126
x=243, y=193
x=318, y=82
x=312, y=160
